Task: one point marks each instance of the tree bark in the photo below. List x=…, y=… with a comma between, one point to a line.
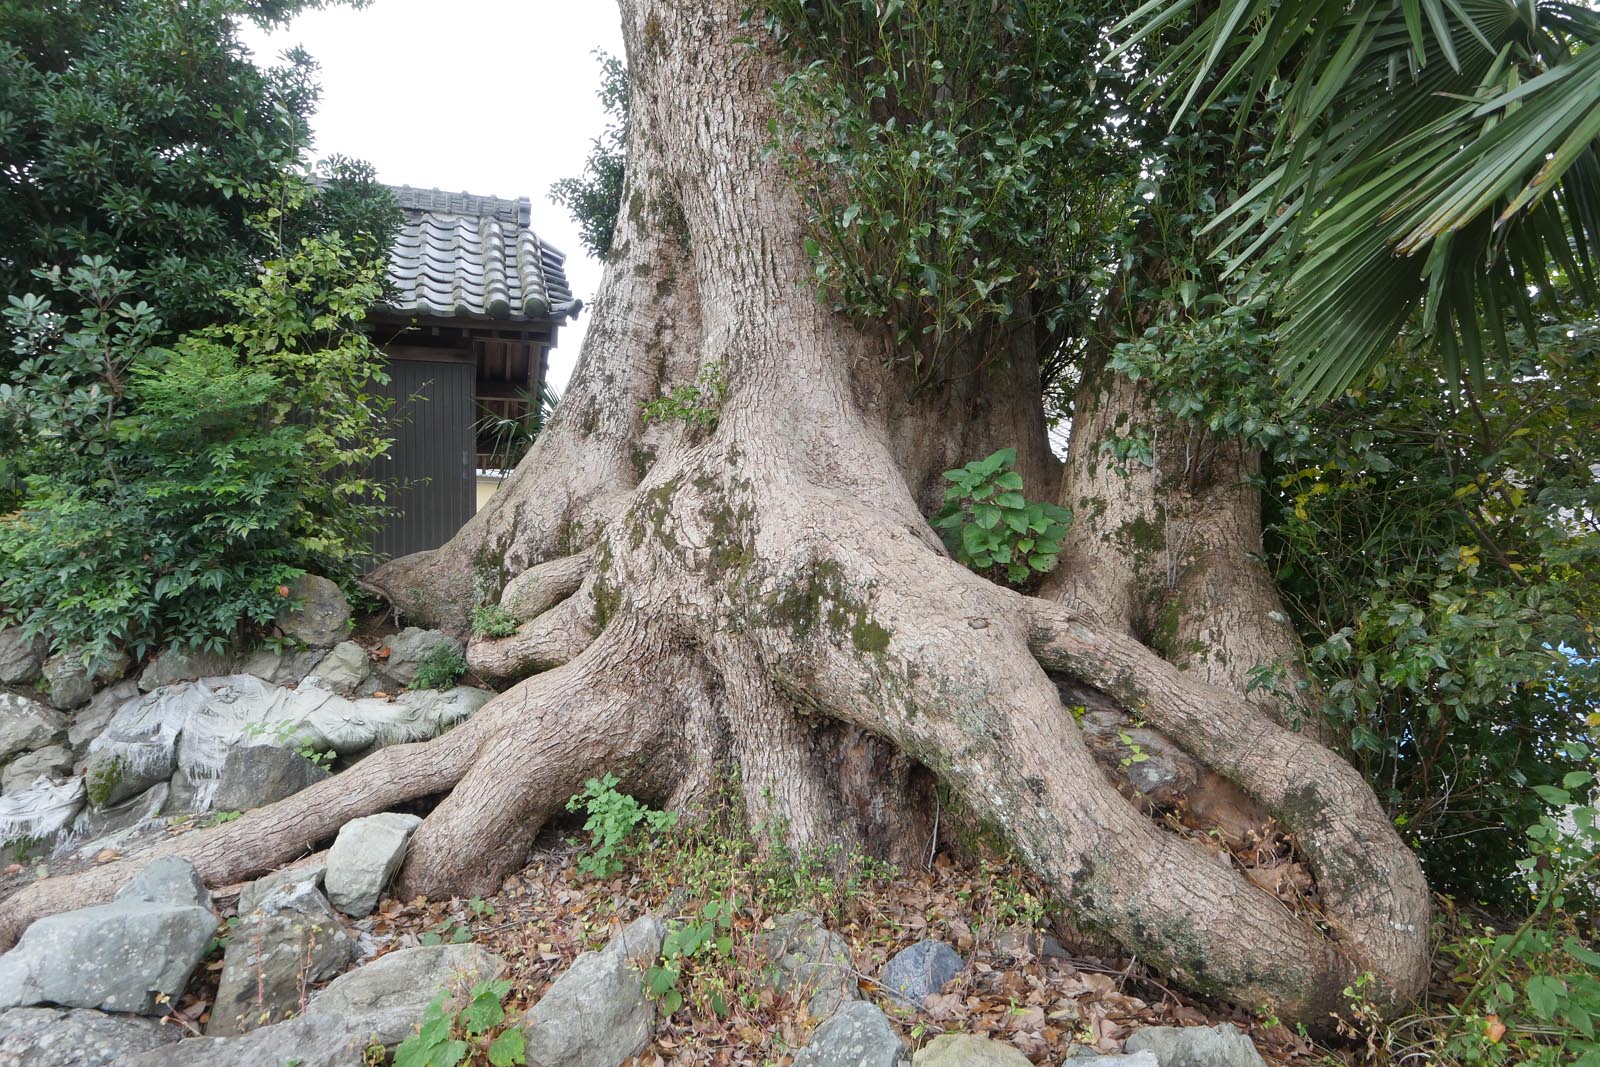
x=767, y=594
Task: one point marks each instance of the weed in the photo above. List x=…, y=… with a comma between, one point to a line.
x=612, y=817
x=693, y=405
x=439, y=668
x=468, y=1036
x=492, y=620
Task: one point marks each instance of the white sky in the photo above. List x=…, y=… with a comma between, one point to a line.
x=493, y=97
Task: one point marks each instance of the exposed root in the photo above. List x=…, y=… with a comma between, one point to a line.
x=1371, y=883
x=556, y=637
x=540, y=588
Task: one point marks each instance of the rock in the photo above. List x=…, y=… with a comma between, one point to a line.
x=67, y=681
x=364, y=856
x=596, y=1014
x=258, y=890
x=343, y=669
x=179, y=664
x=26, y=725
x=166, y=880
x=115, y=957
x=805, y=957
x=918, y=972
x=288, y=941
x=1017, y=942
x=317, y=615
x=389, y=994
x=54, y=761
x=36, y=820
x=257, y=775
x=965, y=1050
x=99, y=829
x=1083, y=1056
x=407, y=650
x=76, y=1037
x=857, y=1035
x=309, y=1040
x=280, y=668
x=193, y=726
x=91, y=720
x=1196, y=1046
x=21, y=658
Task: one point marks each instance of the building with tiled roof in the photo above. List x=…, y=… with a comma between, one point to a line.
x=476, y=301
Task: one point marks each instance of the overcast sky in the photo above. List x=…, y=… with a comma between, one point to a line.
x=494, y=97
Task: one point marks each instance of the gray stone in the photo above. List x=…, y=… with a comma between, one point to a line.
x=807, y=959
x=309, y=1040
x=115, y=957
x=965, y=1050
x=183, y=796
x=317, y=615
x=1196, y=1046
x=77, y=1037
x=288, y=941
x=343, y=669
x=364, y=856
x=101, y=829
x=262, y=887
x=857, y=1035
x=20, y=657
x=166, y=880
x=179, y=664
x=918, y=972
x=53, y=761
x=596, y=1014
x=389, y=994
x=280, y=668
x=1083, y=1056
x=67, y=681
x=257, y=775
x=407, y=650
x=124, y=769
x=90, y=721
x=26, y=725
x=36, y=820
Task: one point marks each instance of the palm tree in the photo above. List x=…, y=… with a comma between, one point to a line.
x=1434, y=159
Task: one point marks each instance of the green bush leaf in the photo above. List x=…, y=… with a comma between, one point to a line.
x=509, y=1049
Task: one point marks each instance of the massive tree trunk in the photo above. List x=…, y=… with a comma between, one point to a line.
x=767, y=595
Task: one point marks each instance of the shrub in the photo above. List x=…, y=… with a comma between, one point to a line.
x=992, y=528
x=492, y=620
x=470, y=1035
x=612, y=817
x=439, y=668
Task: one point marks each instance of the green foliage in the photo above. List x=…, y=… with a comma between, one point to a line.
x=439, y=668
x=612, y=817
x=992, y=528
x=492, y=620
x=595, y=198
x=288, y=735
x=708, y=937
x=950, y=161
x=171, y=490
x=506, y=439
x=697, y=405
x=471, y=1035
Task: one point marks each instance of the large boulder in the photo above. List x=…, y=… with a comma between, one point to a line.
x=53, y=761
x=90, y=721
x=407, y=650
x=177, y=663
x=288, y=941
x=120, y=956
x=858, y=1035
x=387, y=996
x=805, y=958
x=257, y=775
x=67, y=681
x=317, y=614
x=77, y=1037
x=26, y=725
x=364, y=856
x=1196, y=1046
x=966, y=1050
x=192, y=727
x=280, y=668
x=310, y=1040
x=36, y=820
x=166, y=880
x=596, y=1014
x=95, y=829
x=310, y=874
x=342, y=670
x=916, y=973
x=21, y=658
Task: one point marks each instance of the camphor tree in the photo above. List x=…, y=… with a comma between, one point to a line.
x=751, y=580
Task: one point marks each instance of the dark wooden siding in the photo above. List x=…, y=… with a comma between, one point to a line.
x=430, y=465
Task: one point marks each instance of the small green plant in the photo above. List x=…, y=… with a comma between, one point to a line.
x=693, y=405
x=1136, y=754
x=286, y=734
x=992, y=528
x=439, y=668
x=708, y=935
x=612, y=817
x=469, y=1036
x=220, y=817
x=492, y=620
